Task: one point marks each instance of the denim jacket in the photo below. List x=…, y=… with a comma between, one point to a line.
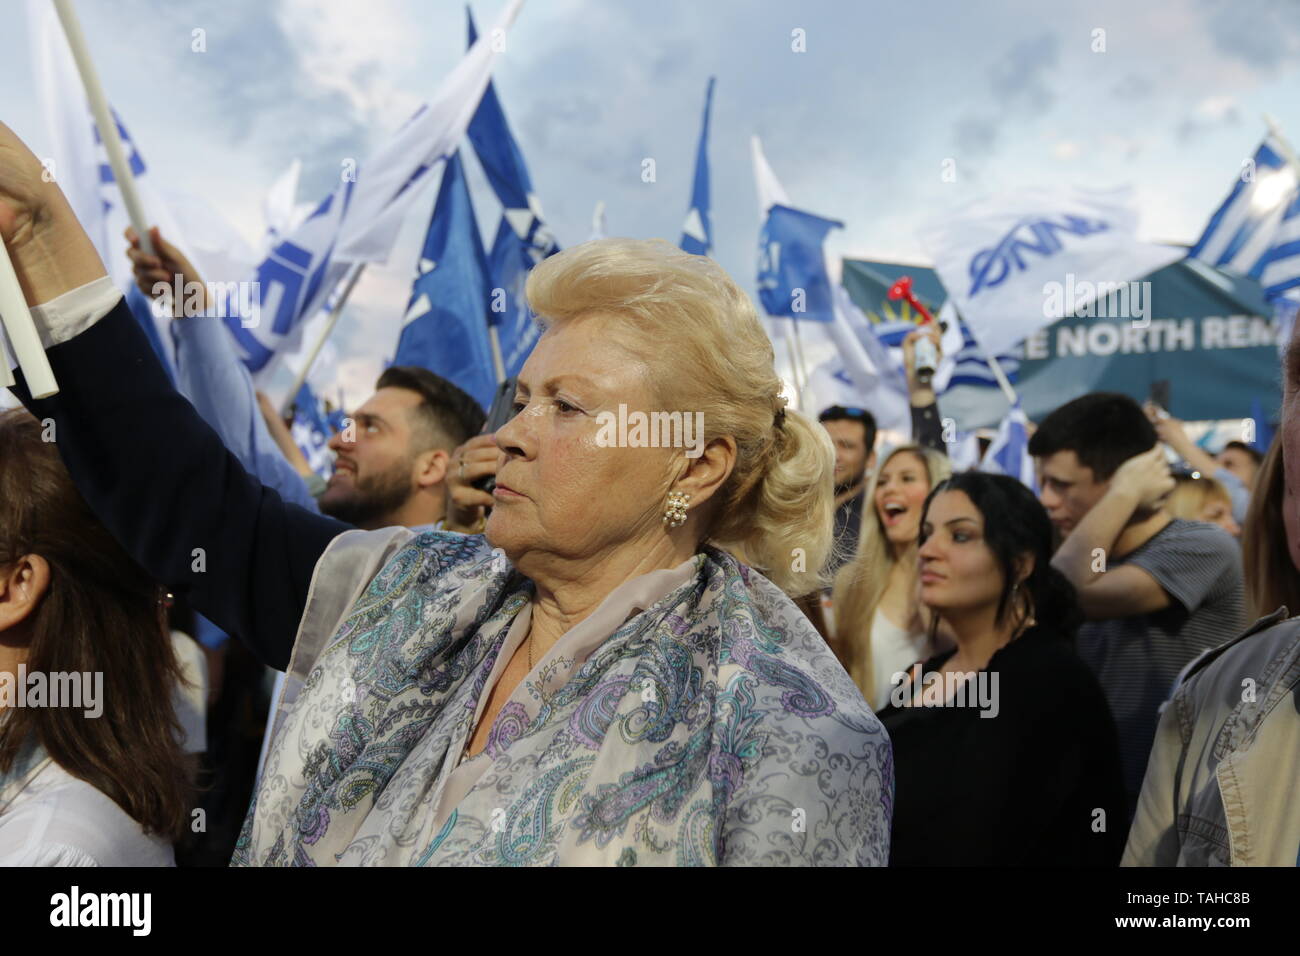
x=1220, y=788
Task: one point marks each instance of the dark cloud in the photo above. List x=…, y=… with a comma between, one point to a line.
x=1020, y=77
x=1190, y=127
x=1133, y=86
x=976, y=135
x=1019, y=83
x=1264, y=34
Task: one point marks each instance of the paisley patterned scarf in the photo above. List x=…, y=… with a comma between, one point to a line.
x=714, y=727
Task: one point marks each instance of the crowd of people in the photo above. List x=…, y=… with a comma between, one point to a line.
x=792, y=648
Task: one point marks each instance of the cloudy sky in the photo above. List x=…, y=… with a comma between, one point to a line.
x=857, y=126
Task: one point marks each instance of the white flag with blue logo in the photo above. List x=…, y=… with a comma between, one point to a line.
x=359, y=221
x=1016, y=262
x=861, y=370
x=79, y=164
x=1009, y=452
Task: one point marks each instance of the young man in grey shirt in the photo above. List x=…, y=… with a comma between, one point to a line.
x=1156, y=590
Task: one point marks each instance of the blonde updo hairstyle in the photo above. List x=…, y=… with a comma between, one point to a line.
x=706, y=351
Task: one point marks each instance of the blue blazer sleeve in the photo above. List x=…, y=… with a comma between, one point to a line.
x=163, y=484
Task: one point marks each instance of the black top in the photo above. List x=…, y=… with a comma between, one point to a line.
x=160, y=479
x=1018, y=788
x=927, y=428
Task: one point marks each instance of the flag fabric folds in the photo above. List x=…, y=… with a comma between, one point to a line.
x=522, y=238
x=359, y=220
x=970, y=367
x=792, y=278
x=1280, y=273
x=1256, y=229
x=79, y=163
x=1009, y=452
x=312, y=430
x=445, y=328
x=697, y=233
x=998, y=257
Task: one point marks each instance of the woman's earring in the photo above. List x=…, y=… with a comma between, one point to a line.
x=675, y=515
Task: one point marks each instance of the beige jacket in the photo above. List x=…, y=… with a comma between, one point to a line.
x=1222, y=787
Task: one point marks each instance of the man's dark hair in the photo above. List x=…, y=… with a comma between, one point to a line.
x=1254, y=454
x=839, y=413
x=447, y=416
x=1104, y=429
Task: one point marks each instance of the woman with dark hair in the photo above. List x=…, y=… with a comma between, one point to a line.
x=92, y=771
x=1004, y=750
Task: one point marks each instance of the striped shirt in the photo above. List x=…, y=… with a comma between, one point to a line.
x=1138, y=658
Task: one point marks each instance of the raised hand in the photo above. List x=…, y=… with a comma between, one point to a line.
x=1146, y=477
x=466, y=505
x=50, y=251
x=162, y=267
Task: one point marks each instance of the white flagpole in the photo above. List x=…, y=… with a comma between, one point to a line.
x=1287, y=152
x=798, y=349
x=996, y=368
x=498, y=364
x=351, y=283
x=21, y=329
x=104, y=122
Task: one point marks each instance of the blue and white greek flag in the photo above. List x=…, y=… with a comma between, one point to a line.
x=1281, y=272
x=1009, y=452
x=971, y=368
x=1256, y=230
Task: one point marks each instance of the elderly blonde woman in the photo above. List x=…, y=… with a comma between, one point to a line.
x=606, y=679
x=881, y=628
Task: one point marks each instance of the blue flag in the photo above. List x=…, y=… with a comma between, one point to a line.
x=336, y=420
x=792, y=277
x=697, y=234
x=522, y=239
x=445, y=329
x=360, y=220
x=311, y=430
x=1009, y=452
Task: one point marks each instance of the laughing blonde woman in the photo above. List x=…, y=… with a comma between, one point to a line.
x=880, y=628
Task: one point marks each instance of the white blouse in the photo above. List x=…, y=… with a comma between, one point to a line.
x=893, y=649
x=50, y=818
